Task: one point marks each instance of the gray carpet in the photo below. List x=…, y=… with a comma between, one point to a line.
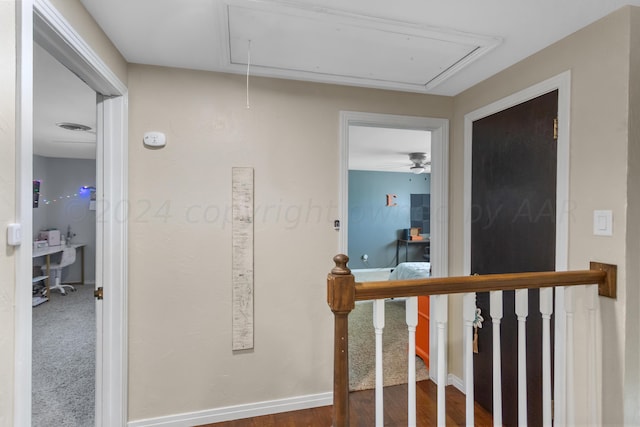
x=64, y=343
x=362, y=347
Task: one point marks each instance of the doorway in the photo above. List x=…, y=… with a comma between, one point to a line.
x=389, y=193
x=41, y=22
x=514, y=161
x=438, y=129
x=63, y=313
x=553, y=95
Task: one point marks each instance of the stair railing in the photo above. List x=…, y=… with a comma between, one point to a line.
x=343, y=291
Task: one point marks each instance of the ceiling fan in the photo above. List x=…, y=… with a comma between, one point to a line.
x=419, y=161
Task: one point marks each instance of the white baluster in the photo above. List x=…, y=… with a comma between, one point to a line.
x=495, y=310
x=378, y=324
x=412, y=322
x=559, y=357
x=441, y=312
x=570, y=365
x=469, y=315
x=593, y=397
x=546, y=309
x=522, y=311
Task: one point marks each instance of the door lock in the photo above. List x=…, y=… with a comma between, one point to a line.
x=98, y=293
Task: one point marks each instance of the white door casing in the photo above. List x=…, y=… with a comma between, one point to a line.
x=39, y=20
x=439, y=129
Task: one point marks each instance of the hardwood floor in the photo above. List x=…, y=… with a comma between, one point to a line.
x=362, y=412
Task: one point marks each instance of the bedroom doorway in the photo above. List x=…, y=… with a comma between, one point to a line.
x=63, y=314
x=40, y=22
x=373, y=260
x=389, y=188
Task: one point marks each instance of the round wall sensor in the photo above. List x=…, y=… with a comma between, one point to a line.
x=154, y=139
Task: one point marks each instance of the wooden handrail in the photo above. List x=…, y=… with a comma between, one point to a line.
x=343, y=292
x=485, y=283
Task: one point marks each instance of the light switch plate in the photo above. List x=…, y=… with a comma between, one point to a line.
x=603, y=223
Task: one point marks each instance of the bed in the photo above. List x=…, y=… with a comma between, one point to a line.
x=411, y=270
x=417, y=270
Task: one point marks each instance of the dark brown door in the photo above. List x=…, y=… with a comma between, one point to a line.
x=514, y=161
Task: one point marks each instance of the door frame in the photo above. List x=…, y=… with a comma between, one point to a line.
x=561, y=83
x=38, y=19
x=439, y=129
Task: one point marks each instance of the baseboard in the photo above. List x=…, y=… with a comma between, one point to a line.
x=249, y=410
x=237, y=412
x=456, y=382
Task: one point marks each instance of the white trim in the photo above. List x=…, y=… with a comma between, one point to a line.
x=111, y=247
x=237, y=412
x=562, y=242
x=562, y=83
x=57, y=36
x=100, y=266
x=54, y=33
x=456, y=382
x=481, y=44
x=24, y=212
x=439, y=129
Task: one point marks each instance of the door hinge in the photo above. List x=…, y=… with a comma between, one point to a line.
x=555, y=128
x=98, y=293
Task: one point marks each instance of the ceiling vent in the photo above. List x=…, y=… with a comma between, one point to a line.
x=76, y=127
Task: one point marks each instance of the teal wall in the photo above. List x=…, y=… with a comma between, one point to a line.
x=374, y=227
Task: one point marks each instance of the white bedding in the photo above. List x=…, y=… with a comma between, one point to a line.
x=411, y=270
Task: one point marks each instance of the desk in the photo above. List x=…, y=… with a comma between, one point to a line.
x=47, y=251
x=424, y=242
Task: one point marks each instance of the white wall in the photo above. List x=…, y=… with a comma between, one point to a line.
x=64, y=177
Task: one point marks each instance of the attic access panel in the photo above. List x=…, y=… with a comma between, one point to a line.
x=290, y=41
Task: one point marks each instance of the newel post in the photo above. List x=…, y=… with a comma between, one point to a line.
x=341, y=299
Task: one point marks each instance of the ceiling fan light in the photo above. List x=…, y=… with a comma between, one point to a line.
x=418, y=157
x=417, y=169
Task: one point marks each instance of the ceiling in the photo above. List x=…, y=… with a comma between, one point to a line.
x=386, y=150
x=425, y=46
x=59, y=96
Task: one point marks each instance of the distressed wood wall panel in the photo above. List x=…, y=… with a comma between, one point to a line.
x=242, y=257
